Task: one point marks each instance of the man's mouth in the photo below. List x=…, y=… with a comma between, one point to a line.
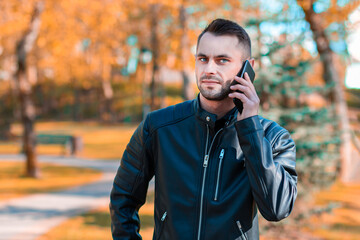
x=210, y=81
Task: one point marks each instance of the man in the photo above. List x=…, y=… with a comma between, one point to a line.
x=213, y=166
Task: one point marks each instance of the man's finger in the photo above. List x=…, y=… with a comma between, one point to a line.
x=245, y=82
x=247, y=90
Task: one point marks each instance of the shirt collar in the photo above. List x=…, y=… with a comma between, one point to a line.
x=210, y=118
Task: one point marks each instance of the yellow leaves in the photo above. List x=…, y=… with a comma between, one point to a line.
x=14, y=17
x=77, y=36
x=339, y=14
x=305, y=4
x=104, y=24
x=165, y=3
x=75, y=30
x=343, y=221
x=334, y=13
x=213, y=3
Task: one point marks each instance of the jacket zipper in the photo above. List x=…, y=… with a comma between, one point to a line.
x=221, y=156
x=243, y=236
x=205, y=164
x=162, y=224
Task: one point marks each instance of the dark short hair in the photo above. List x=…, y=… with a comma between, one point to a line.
x=220, y=27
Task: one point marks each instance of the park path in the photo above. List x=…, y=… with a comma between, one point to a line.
x=28, y=217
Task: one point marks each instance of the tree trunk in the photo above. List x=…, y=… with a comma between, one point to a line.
x=331, y=76
x=187, y=91
x=27, y=107
x=108, y=100
x=146, y=76
x=77, y=106
x=108, y=93
x=154, y=9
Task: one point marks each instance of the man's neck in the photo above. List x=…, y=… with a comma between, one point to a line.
x=220, y=108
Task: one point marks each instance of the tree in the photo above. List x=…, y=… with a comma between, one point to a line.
x=154, y=14
x=24, y=46
x=184, y=52
x=318, y=23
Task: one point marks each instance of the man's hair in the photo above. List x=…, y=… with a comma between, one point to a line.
x=220, y=27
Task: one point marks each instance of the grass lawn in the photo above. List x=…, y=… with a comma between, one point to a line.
x=109, y=142
x=100, y=141
x=54, y=177
x=343, y=222
x=330, y=214
x=95, y=225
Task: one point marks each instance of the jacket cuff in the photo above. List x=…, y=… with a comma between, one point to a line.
x=248, y=125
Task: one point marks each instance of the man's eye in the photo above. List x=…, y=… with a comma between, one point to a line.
x=223, y=60
x=202, y=59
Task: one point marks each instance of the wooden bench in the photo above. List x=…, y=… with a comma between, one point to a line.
x=71, y=144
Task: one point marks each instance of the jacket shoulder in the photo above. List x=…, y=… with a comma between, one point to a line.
x=170, y=115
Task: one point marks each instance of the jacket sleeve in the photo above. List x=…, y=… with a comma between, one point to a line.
x=130, y=186
x=270, y=164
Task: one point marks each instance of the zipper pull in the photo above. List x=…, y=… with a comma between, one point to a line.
x=164, y=216
x=222, y=154
x=239, y=225
x=206, y=160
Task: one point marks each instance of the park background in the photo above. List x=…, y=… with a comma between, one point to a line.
x=92, y=70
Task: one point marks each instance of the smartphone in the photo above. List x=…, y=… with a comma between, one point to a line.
x=245, y=68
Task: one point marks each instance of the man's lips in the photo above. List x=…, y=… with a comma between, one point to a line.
x=209, y=81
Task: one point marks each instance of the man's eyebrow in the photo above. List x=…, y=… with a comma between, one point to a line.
x=217, y=56
x=200, y=55
x=223, y=56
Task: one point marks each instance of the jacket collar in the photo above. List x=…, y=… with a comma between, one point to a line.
x=210, y=118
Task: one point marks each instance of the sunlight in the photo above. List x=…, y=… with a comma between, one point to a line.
x=353, y=71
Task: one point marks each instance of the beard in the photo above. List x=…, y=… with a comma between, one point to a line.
x=215, y=94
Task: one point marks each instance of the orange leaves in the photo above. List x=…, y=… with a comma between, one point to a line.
x=339, y=14
x=305, y=4
x=334, y=13
x=78, y=36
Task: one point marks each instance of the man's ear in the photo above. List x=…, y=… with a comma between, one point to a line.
x=252, y=62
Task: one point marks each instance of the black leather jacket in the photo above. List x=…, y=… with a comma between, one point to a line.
x=208, y=185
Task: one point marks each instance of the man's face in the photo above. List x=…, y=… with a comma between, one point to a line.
x=218, y=60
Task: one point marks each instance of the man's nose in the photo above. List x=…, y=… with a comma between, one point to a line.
x=210, y=68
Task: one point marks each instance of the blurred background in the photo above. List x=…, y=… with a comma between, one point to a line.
x=77, y=77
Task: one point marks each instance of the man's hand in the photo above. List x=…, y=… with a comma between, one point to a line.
x=248, y=97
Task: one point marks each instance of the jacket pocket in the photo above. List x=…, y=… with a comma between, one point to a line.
x=221, y=157
x=242, y=236
x=162, y=223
